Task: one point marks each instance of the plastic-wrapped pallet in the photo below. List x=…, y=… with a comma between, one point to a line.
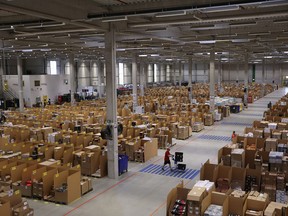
x=272, y=126
x=214, y=210
x=281, y=197
x=275, y=157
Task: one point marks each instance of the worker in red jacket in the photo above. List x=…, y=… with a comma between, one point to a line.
x=167, y=159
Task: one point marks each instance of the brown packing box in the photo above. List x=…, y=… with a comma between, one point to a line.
x=5, y=208
x=275, y=209
x=256, y=201
x=183, y=132
x=209, y=171
x=176, y=193
x=197, y=194
x=236, y=204
x=25, y=190
x=217, y=199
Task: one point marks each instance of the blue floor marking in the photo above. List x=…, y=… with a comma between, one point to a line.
x=146, y=168
x=214, y=137
x=236, y=123
x=157, y=170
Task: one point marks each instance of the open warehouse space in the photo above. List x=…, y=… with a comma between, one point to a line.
x=95, y=95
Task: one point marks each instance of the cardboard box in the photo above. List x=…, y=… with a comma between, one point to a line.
x=197, y=194
x=215, y=198
x=238, y=158
x=5, y=207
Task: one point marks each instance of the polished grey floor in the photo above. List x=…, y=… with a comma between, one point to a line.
x=139, y=193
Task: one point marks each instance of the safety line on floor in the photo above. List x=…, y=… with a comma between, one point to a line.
x=102, y=192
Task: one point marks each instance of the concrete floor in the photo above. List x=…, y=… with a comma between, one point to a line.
x=142, y=193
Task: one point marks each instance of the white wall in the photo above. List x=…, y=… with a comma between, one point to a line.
x=236, y=72
x=50, y=85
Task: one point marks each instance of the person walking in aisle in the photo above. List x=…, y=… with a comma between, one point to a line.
x=167, y=159
x=233, y=135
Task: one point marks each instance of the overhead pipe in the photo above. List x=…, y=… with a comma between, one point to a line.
x=187, y=8
x=15, y=9
x=181, y=22
x=54, y=32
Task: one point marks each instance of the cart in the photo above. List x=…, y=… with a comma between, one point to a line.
x=178, y=157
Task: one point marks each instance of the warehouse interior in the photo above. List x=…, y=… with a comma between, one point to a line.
x=87, y=51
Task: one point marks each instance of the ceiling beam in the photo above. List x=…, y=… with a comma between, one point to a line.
x=47, y=16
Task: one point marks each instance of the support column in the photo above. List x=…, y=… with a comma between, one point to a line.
x=111, y=96
x=72, y=78
x=180, y=73
x=174, y=74
x=237, y=74
x=212, y=81
x=142, y=79
x=274, y=72
x=263, y=71
x=100, y=78
x=205, y=77
x=190, y=79
x=246, y=80
x=134, y=83
x=20, y=84
x=219, y=75
x=281, y=75
x=263, y=78
x=196, y=72
x=146, y=74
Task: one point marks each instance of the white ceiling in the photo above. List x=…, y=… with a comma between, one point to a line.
x=173, y=29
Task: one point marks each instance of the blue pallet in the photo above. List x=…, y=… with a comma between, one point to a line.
x=237, y=123
x=157, y=170
x=214, y=137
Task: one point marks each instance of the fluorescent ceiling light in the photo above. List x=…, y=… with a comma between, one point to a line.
x=170, y=13
x=220, y=8
x=273, y=3
x=27, y=50
x=43, y=25
x=207, y=42
x=169, y=59
x=142, y=55
x=154, y=55
x=286, y=52
x=45, y=50
x=6, y=28
x=240, y=40
x=121, y=49
x=268, y=57
x=114, y=19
